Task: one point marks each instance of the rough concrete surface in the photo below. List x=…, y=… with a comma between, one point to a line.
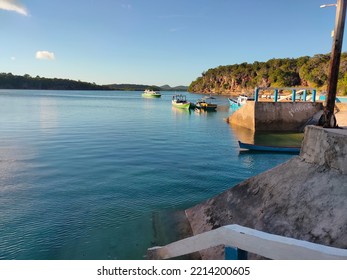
x=301, y=199
x=326, y=147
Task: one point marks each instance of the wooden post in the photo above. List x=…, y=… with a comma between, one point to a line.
x=330, y=120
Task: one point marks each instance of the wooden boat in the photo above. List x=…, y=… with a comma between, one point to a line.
x=180, y=101
x=263, y=148
x=151, y=94
x=206, y=104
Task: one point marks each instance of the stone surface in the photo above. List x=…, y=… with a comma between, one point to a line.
x=304, y=198
x=326, y=147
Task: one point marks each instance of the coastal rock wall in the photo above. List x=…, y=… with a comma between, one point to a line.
x=274, y=116
x=303, y=198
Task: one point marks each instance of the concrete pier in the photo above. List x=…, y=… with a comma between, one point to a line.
x=304, y=198
x=274, y=116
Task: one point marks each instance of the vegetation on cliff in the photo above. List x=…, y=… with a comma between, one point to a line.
x=10, y=81
x=287, y=72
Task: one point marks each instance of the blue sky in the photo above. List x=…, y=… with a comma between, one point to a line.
x=155, y=42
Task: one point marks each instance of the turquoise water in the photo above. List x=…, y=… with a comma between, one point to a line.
x=83, y=173
x=339, y=99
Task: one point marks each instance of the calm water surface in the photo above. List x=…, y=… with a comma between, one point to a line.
x=82, y=173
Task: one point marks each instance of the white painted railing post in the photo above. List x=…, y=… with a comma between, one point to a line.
x=258, y=242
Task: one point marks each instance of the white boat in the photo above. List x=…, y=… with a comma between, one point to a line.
x=150, y=94
x=240, y=100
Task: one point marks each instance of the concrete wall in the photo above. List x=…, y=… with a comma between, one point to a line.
x=326, y=147
x=271, y=116
x=303, y=198
x=245, y=116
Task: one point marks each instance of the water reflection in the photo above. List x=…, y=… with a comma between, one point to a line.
x=15, y=159
x=150, y=103
x=248, y=160
x=243, y=134
x=48, y=114
x=290, y=139
x=180, y=111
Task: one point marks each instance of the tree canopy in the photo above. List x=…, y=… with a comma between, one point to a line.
x=10, y=81
x=277, y=72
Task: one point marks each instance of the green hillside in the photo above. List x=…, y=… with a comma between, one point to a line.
x=10, y=81
x=286, y=72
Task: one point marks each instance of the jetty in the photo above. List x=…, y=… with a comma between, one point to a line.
x=296, y=210
x=279, y=113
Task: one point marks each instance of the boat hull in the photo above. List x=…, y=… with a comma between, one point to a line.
x=233, y=102
x=150, y=95
x=181, y=105
x=275, y=149
x=206, y=106
x=240, y=101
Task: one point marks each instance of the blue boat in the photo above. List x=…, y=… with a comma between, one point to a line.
x=262, y=148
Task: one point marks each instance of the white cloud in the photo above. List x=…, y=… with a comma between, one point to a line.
x=13, y=58
x=14, y=6
x=45, y=55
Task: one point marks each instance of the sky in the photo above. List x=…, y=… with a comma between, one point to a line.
x=156, y=42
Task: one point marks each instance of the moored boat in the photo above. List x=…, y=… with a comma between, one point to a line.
x=180, y=101
x=264, y=148
x=240, y=100
x=151, y=94
x=233, y=102
x=206, y=104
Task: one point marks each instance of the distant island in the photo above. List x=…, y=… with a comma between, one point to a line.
x=134, y=87
x=10, y=81
x=304, y=71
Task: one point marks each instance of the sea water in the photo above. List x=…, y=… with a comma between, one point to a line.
x=84, y=173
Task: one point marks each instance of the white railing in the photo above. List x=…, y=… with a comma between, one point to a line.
x=264, y=244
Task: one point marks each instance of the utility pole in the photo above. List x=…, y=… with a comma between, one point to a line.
x=330, y=120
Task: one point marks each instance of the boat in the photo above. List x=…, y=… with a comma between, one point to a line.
x=263, y=148
x=151, y=94
x=240, y=100
x=180, y=101
x=233, y=102
x=206, y=104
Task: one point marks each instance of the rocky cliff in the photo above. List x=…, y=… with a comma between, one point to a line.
x=288, y=72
